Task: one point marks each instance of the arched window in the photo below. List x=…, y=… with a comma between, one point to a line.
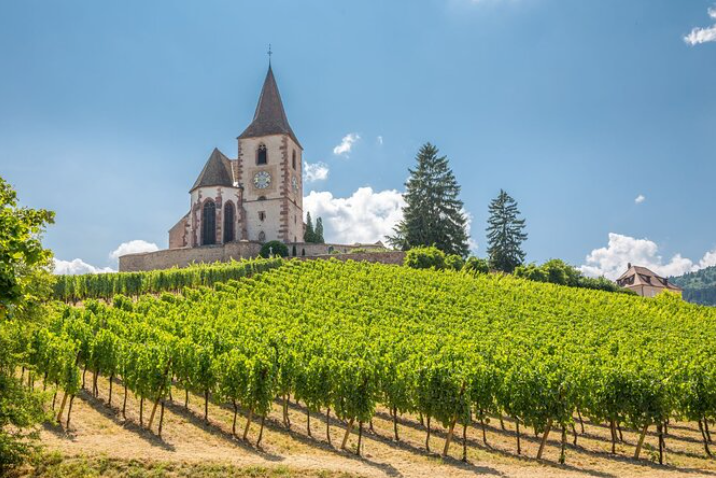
x=262, y=236
x=229, y=227
x=262, y=155
x=208, y=223
x=293, y=160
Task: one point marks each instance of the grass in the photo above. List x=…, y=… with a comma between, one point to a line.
x=56, y=465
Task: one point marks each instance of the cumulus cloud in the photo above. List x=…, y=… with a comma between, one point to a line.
x=346, y=144
x=315, y=172
x=133, y=247
x=366, y=216
x=611, y=261
x=640, y=199
x=77, y=266
x=703, y=35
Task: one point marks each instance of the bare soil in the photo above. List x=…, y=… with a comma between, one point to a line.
x=97, y=430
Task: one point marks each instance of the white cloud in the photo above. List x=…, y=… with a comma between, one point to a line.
x=315, y=172
x=702, y=35
x=640, y=199
x=77, y=266
x=380, y=140
x=133, y=247
x=346, y=144
x=611, y=261
x=366, y=216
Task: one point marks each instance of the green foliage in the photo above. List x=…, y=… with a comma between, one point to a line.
x=425, y=258
x=475, y=265
x=73, y=288
x=313, y=235
x=556, y=271
x=310, y=234
x=505, y=234
x=454, y=262
x=24, y=286
x=699, y=287
x=448, y=346
x=274, y=249
x=433, y=215
x=319, y=231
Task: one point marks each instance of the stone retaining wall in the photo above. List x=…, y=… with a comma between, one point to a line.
x=169, y=258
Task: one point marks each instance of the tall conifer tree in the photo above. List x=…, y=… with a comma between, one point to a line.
x=433, y=214
x=319, y=231
x=505, y=234
x=310, y=234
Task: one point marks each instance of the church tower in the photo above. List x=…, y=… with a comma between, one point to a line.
x=269, y=171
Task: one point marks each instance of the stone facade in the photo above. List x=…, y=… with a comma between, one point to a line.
x=169, y=258
x=238, y=204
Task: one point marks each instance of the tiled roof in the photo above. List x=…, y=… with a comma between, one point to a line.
x=270, y=117
x=637, y=275
x=216, y=172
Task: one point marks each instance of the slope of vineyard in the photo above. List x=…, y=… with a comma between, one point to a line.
x=347, y=338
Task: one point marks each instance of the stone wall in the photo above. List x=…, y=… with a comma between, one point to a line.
x=169, y=258
x=391, y=257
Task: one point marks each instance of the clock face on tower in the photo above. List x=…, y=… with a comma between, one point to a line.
x=262, y=179
x=294, y=183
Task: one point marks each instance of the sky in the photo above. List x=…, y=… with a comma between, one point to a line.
x=597, y=116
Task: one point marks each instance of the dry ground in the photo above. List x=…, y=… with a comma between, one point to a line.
x=98, y=431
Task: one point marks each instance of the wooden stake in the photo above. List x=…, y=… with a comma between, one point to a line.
x=449, y=436
x=62, y=408
x=348, y=432
x=519, y=448
x=261, y=431
x=69, y=412
x=395, y=423
x=248, y=423
x=640, y=442
x=328, y=425
x=564, y=442
x=464, y=442
x=544, y=439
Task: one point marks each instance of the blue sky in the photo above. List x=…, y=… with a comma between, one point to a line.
x=108, y=111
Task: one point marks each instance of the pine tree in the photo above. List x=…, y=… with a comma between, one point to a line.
x=310, y=234
x=433, y=214
x=319, y=231
x=505, y=234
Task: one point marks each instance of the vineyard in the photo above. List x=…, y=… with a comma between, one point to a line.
x=345, y=339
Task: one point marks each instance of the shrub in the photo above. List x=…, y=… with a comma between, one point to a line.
x=476, y=266
x=425, y=258
x=274, y=248
x=454, y=262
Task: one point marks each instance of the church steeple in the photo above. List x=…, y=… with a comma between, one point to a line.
x=270, y=117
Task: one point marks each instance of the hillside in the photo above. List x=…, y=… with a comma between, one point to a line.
x=387, y=358
x=700, y=286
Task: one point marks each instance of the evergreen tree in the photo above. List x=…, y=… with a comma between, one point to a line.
x=433, y=214
x=319, y=231
x=310, y=234
x=505, y=234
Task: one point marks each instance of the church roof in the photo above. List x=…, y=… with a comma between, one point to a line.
x=216, y=172
x=270, y=117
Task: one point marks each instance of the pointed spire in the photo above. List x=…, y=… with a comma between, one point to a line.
x=216, y=172
x=270, y=117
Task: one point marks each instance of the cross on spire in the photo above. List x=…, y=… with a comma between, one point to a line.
x=269, y=54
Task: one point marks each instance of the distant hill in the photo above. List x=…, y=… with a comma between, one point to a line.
x=699, y=287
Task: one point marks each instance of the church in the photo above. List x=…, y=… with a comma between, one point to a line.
x=237, y=205
x=256, y=197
